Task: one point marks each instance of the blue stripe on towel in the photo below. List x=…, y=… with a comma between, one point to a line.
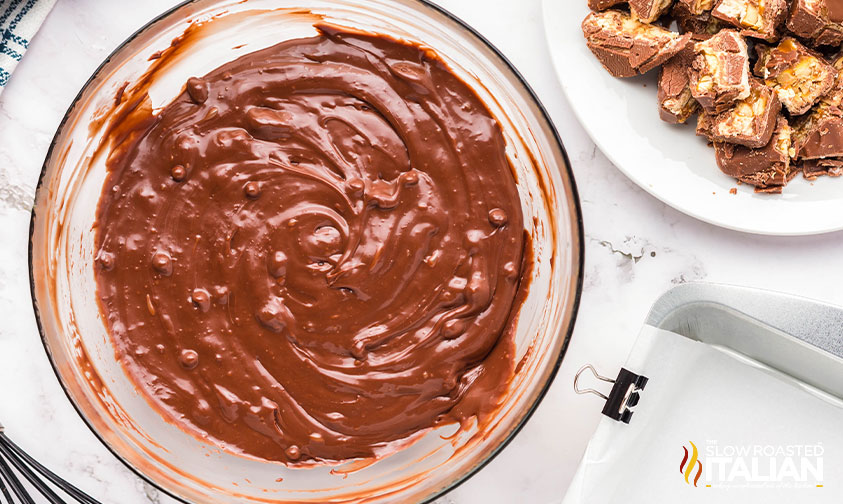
x=9, y=10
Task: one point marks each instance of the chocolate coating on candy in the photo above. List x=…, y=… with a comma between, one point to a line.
x=627, y=47
x=767, y=168
x=719, y=74
x=336, y=259
x=676, y=104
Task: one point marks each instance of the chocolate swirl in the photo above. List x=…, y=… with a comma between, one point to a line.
x=315, y=250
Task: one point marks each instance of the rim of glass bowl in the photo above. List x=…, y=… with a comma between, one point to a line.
x=578, y=250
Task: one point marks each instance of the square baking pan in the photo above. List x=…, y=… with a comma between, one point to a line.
x=730, y=394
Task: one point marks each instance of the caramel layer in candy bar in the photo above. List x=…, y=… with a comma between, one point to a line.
x=799, y=76
x=819, y=21
x=719, y=74
x=599, y=5
x=813, y=168
x=755, y=18
x=767, y=168
x=648, y=11
x=676, y=104
x=626, y=46
x=819, y=134
x=695, y=7
x=749, y=123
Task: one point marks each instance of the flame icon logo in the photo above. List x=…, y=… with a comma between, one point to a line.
x=687, y=466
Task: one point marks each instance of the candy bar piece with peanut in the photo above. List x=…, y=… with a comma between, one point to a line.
x=767, y=168
x=813, y=168
x=755, y=18
x=819, y=21
x=599, y=5
x=749, y=123
x=819, y=134
x=719, y=74
x=799, y=75
x=627, y=47
x=648, y=11
x=676, y=104
x=695, y=7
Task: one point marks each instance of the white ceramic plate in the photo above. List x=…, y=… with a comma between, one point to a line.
x=670, y=161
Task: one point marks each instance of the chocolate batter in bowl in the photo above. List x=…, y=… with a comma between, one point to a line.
x=341, y=266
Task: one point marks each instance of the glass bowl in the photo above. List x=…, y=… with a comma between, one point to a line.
x=209, y=33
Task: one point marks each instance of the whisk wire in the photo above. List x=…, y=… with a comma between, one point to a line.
x=5, y=492
x=65, y=486
x=30, y=469
x=14, y=483
x=39, y=485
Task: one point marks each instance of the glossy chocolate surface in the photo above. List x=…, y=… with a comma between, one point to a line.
x=316, y=251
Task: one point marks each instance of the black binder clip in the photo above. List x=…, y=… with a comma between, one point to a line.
x=624, y=395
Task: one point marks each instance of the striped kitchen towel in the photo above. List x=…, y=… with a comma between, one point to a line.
x=19, y=20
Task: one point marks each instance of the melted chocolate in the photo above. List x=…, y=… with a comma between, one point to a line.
x=315, y=251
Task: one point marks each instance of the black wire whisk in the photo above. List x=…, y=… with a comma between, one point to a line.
x=14, y=461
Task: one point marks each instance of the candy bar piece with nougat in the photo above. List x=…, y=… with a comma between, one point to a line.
x=767, y=168
x=628, y=47
x=799, y=75
x=676, y=104
x=719, y=74
x=819, y=21
x=648, y=11
x=755, y=18
x=750, y=122
x=599, y=5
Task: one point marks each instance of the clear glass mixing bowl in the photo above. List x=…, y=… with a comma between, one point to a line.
x=62, y=256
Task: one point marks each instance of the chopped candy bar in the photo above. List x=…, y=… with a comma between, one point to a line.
x=676, y=104
x=819, y=21
x=695, y=7
x=813, y=168
x=699, y=25
x=704, y=124
x=755, y=18
x=799, y=76
x=719, y=74
x=819, y=134
x=599, y=5
x=627, y=47
x=749, y=123
x=767, y=168
x=834, y=98
x=648, y=11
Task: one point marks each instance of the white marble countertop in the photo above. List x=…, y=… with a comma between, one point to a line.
x=636, y=248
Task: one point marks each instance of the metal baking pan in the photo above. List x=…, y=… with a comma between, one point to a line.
x=799, y=337
x=761, y=370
